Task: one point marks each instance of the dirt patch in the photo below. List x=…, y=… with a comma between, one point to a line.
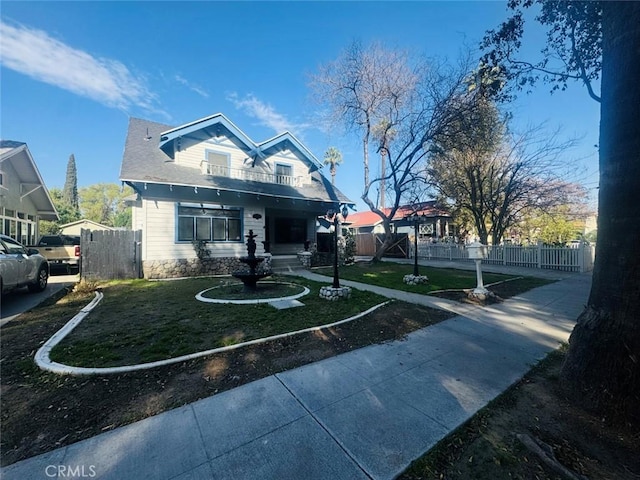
x=499, y=292
x=41, y=411
x=487, y=447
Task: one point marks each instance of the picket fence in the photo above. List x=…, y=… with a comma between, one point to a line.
x=575, y=258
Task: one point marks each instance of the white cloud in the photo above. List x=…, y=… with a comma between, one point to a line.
x=265, y=113
x=34, y=53
x=196, y=88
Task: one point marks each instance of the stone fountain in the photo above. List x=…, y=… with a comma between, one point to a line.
x=250, y=278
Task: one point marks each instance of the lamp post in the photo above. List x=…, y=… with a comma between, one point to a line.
x=334, y=214
x=416, y=222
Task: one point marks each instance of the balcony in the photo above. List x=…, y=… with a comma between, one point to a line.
x=252, y=175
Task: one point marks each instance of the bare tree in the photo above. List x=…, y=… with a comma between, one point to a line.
x=499, y=177
x=397, y=105
x=561, y=223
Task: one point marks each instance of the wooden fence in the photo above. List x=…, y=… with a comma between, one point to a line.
x=108, y=255
x=368, y=244
x=578, y=258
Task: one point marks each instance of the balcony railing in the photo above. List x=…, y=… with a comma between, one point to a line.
x=253, y=175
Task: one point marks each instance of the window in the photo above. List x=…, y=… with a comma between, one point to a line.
x=425, y=229
x=284, y=174
x=14, y=247
x=209, y=223
x=1, y=179
x=216, y=164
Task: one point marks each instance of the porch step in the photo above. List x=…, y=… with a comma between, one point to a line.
x=285, y=263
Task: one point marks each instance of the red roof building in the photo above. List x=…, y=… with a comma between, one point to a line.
x=435, y=221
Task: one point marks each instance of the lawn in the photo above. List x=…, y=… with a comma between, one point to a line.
x=390, y=274
x=144, y=321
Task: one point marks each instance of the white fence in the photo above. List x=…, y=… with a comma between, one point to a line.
x=577, y=258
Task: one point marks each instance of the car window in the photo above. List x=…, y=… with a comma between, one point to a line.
x=71, y=240
x=2, y=248
x=50, y=241
x=13, y=246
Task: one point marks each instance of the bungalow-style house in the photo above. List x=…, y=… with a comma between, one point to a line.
x=208, y=181
x=24, y=198
x=74, y=228
x=435, y=222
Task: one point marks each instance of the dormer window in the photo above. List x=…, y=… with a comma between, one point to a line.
x=216, y=164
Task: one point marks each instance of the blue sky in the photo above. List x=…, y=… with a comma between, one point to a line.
x=72, y=73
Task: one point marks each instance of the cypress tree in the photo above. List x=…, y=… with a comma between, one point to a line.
x=70, y=192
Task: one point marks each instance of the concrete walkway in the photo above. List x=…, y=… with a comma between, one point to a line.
x=363, y=414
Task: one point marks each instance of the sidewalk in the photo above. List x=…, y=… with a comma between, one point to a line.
x=364, y=414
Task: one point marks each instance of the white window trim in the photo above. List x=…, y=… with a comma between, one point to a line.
x=204, y=165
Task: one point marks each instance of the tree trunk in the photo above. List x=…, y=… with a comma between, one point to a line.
x=602, y=367
x=386, y=244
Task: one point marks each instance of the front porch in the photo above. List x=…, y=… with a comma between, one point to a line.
x=287, y=231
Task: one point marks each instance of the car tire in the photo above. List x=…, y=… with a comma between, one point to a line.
x=41, y=280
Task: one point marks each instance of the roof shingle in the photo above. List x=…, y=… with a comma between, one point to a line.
x=143, y=161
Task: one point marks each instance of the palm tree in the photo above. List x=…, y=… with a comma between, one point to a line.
x=332, y=157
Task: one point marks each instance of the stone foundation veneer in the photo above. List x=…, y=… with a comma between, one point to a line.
x=192, y=267
x=305, y=259
x=334, y=294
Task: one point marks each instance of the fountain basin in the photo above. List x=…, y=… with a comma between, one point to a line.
x=250, y=279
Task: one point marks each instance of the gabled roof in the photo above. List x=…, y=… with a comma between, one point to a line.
x=369, y=218
x=144, y=162
x=219, y=125
x=18, y=154
x=86, y=221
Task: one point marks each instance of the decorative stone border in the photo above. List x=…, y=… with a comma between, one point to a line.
x=305, y=291
x=43, y=360
x=480, y=295
x=415, y=279
x=334, y=294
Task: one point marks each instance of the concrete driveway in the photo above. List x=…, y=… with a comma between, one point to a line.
x=21, y=300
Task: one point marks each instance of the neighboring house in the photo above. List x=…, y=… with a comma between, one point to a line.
x=74, y=228
x=206, y=180
x=24, y=199
x=435, y=221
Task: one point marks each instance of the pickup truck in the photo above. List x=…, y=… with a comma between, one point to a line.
x=61, y=251
x=21, y=266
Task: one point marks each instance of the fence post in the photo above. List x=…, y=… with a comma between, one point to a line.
x=539, y=254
